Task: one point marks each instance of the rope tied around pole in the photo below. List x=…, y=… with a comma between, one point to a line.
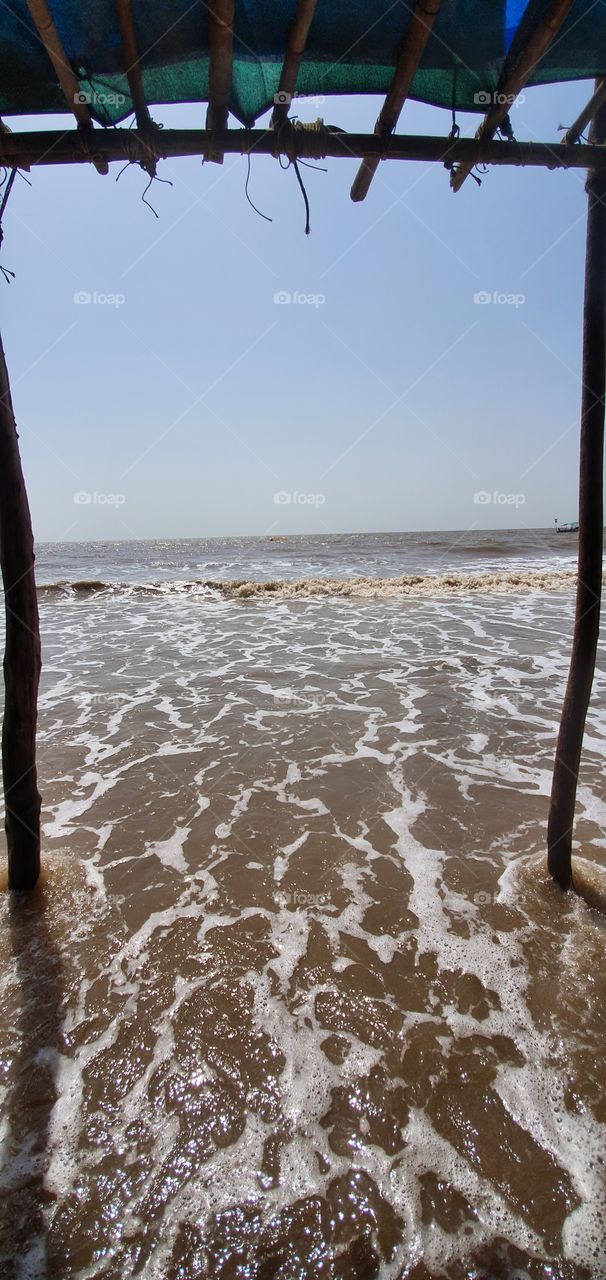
x=313, y=135
x=133, y=149
x=150, y=151
x=316, y=134
x=86, y=134
x=143, y=147
x=288, y=134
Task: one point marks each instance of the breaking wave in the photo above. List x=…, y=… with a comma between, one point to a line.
x=413, y=584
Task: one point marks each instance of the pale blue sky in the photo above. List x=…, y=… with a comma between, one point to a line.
x=395, y=399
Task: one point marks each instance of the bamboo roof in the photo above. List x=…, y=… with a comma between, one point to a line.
x=121, y=55
x=110, y=59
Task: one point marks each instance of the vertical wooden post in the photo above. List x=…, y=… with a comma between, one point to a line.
x=21, y=655
x=591, y=520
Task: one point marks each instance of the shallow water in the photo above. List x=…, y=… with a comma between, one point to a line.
x=296, y=998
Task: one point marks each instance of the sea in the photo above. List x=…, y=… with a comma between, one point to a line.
x=295, y=997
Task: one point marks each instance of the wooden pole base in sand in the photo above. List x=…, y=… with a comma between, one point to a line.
x=21, y=656
x=591, y=520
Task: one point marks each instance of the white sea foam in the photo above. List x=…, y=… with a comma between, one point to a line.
x=336, y=798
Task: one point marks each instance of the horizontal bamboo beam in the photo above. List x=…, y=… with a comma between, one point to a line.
x=413, y=48
x=297, y=40
x=49, y=147
x=221, y=53
x=587, y=114
x=517, y=70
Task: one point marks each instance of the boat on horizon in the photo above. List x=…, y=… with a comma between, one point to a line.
x=572, y=526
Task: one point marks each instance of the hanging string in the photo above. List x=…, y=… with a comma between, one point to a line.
x=319, y=168
x=153, y=178
x=288, y=130
x=8, y=275
x=294, y=162
x=7, y=191
x=131, y=159
x=303, y=193
x=455, y=130
x=251, y=202
x=135, y=158
x=148, y=140
x=93, y=99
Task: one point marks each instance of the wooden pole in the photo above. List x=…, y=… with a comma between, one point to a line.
x=54, y=146
x=587, y=114
x=297, y=39
x=221, y=53
x=43, y=21
x=591, y=521
x=518, y=68
x=21, y=655
x=49, y=36
x=130, y=58
x=419, y=30
x=132, y=68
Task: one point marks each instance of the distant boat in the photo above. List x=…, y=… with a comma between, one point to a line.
x=571, y=527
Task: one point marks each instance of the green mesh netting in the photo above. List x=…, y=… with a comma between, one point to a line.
x=352, y=48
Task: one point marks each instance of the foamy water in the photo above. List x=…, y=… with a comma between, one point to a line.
x=366, y=588
x=296, y=997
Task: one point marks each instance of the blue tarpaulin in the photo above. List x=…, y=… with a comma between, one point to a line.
x=352, y=47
